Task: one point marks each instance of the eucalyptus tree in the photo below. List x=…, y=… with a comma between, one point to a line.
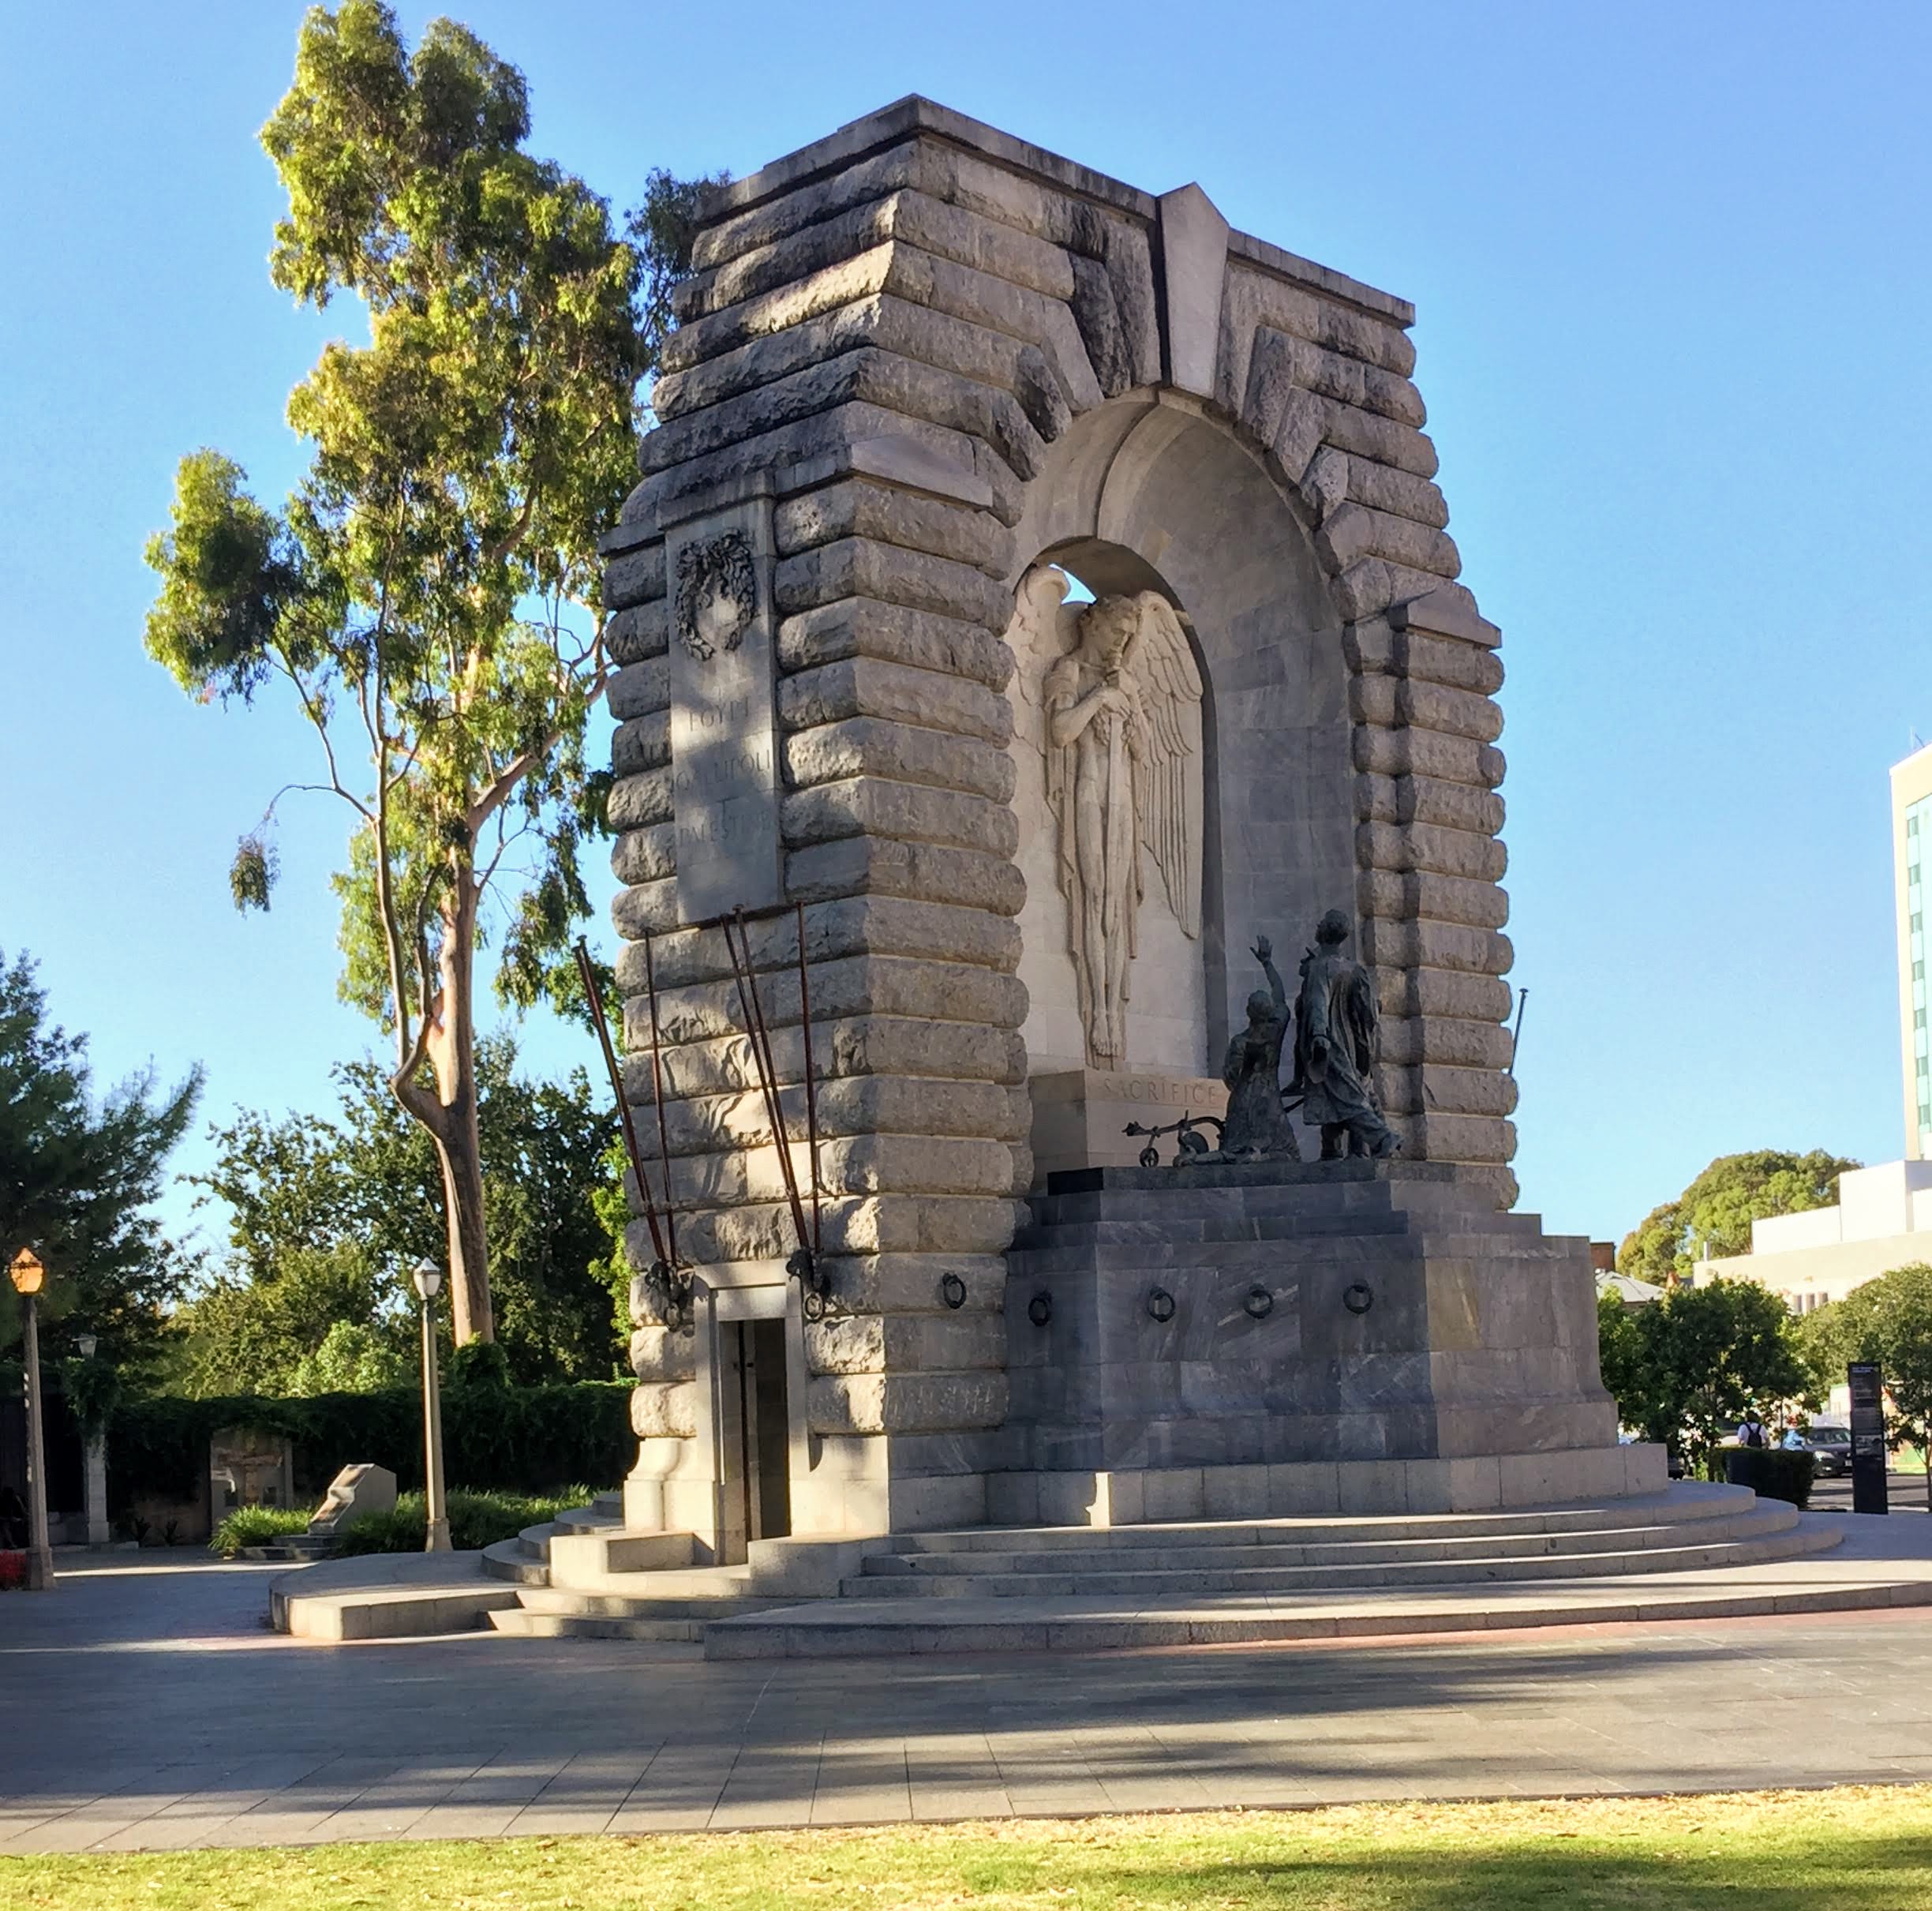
x=428, y=596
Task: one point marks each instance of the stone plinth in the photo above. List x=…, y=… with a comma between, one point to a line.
x=1080, y=1115
x=1349, y=1337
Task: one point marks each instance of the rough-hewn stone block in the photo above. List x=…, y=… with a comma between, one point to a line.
x=864, y=627
x=660, y=1410
x=1422, y=799
x=640, y=690
x=1437, y=945
x=873, y=806
x=852, y=985
x=639, y=799
x=1403, y=896
x=926, y=871
x=856, y=508
x=1426, y=846
x=645, y=856
x=634, y=579
x=1427, y=753
x=642, y=743
x=1448, y=993
x=878, y=747
x=863, y=687
x=862, y=567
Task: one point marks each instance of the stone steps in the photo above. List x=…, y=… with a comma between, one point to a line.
x=644, y=1599
x=1684, y=1503
x=853, y=1629
x=1272, y=1581
x=1752, y=1524
x=671, y=1634
x=524, y=1561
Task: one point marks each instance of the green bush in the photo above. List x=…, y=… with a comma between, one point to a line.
x=256, y=1526
x=478, y=1363
x=477, y=1519
x=1772, y=1473
x=516, y=1439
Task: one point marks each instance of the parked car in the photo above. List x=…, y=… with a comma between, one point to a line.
x=1830, y=1448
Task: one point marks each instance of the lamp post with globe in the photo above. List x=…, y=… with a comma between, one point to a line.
x=99, y=1533
x=428, y=1279
x=28, y=1275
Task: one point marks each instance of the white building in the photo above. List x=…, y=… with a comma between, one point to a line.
x=1884, y=1217
x=1883, y=1220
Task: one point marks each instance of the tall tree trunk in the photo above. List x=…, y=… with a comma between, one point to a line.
x=458, y=1140
x=448, y=1041
x=472, y=1316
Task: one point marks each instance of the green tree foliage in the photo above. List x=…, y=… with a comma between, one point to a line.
x=327, y=1217
x=1685, y=1370
x=1719, y=1207
x=1887, y=1320
x=353, y=1358
x=428, y=595
x=77, y=1178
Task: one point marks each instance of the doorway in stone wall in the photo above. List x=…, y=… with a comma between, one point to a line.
x=754, y=1433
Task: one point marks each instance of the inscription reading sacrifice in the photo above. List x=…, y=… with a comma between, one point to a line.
x=724, y=757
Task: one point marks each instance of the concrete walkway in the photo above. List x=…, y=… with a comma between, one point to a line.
x=143, y=1705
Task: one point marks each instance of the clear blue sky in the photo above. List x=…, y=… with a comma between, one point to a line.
x=1672, y=274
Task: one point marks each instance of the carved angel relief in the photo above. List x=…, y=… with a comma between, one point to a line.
x=1121, y=718
x=717, y=595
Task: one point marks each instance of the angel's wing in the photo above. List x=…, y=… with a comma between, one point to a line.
x=1167, y=776
x=1042, y=630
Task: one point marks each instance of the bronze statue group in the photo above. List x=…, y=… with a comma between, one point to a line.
x=1336, y=1025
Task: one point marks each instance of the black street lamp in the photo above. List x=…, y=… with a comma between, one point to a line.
x=428, y=1279
x=28, y=1275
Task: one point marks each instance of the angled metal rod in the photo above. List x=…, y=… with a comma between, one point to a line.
x=588, y=971
x=811, y=1090
x=762, y=1060
x=657, y=1097
x=1522, y=995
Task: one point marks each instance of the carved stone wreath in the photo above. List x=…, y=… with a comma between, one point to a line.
x=717, y=595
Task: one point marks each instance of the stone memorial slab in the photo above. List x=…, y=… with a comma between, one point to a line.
x=1081, y=1116
x=354, y=1491
x=723, y=726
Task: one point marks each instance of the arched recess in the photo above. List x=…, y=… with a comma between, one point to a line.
x=1151, y=491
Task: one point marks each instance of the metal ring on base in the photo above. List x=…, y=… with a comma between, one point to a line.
x=1039, y=1309
x=953, y=1290
x=1358, y=1298
x=1160, y=1304
x=1259, y=1304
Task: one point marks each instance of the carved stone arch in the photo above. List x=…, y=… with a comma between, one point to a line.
x=911, y=359
x=1153, y=492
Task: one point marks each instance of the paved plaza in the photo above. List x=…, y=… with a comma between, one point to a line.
x=144, y=1705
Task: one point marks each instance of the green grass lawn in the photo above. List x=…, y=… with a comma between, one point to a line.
x=1867, y=1848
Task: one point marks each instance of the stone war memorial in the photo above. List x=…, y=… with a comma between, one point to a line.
x=1057, y=798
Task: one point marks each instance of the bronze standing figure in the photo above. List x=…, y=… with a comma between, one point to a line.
x=1337, y=1034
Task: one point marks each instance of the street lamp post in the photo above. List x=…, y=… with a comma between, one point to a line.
x=29, y=1275
x=428, y=1279
x=98, y=1532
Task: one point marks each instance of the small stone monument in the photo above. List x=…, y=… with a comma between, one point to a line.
x=354, y=1492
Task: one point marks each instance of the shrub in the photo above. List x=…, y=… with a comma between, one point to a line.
x=523, y=1439
x=256, y=1526
x=477, y=1519
x=1772, y=1473
x=479, y=1363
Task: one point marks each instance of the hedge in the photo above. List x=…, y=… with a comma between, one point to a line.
x=516, y=1439
x=1772, y=1473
